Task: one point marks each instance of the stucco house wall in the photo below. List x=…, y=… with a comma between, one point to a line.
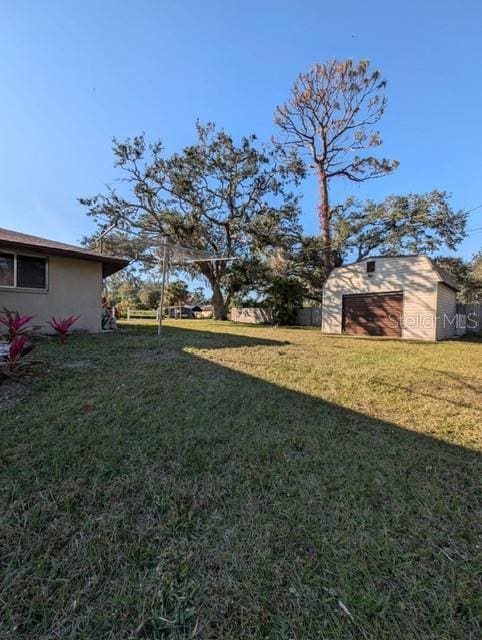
x=62, y=279
x=74, y=287
x=415, y=276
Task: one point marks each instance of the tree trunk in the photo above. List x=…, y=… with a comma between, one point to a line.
x=219, y=306
x=324, y=220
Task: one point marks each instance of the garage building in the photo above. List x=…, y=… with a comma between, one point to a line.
x=397, y=296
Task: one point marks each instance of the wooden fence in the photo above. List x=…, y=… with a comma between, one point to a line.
x=251, y=315
x=469, y=319
x=309, y=317
x=306, y=317
x=141, y=313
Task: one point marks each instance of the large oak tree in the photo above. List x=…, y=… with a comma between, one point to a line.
x=230, y=199
x=399, y=224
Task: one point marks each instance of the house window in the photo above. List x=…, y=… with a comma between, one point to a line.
x=23, y=272
x=7, y=270
x=371, y=266
x=31, y=272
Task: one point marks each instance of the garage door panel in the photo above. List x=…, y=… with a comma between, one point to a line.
x=373, y=314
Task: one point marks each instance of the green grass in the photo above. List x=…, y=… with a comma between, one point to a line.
x=248, y=483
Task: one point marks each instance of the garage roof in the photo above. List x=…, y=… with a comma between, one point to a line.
x=15, y=240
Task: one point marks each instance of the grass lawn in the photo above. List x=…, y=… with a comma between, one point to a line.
x=246, y=483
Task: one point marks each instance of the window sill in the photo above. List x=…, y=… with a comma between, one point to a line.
x=23, y=290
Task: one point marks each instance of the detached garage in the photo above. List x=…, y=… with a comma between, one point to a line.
x=397, y=297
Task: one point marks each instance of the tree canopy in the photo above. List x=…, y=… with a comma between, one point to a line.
x=467, y=274
x=330, y=118
x=400, y=224
x=235, y=200
x=230, y=199
x=176, y=293
x=150, y=295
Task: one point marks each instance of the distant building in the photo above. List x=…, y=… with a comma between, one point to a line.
x=207, y=311
x=184, y=311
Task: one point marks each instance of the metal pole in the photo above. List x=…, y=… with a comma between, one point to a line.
x=100, y=239
x=161, y=302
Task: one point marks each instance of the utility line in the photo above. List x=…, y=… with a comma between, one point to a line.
x=479, y=206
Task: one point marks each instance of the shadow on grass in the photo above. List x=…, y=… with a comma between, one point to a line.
x=432, y=396
x=462, y=381
x=470, y=337
x=190, y=500
x=181, y=338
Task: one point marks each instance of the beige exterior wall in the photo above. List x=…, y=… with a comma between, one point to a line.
x=74, y=288
x=446, y=312
x=414, y=276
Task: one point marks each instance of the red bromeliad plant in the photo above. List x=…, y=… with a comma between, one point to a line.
x=13, y=363
x=62, y=325
x=16, y=324
x=16, y=366
x=18, y=348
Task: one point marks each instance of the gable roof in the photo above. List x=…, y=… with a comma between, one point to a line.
x=16, y=240
x=442, y=275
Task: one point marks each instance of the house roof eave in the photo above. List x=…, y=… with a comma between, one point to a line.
x=21, y=241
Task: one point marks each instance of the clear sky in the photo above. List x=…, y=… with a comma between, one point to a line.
x=74, y=74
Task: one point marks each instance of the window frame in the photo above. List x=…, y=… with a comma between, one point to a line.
x=15, y=266
x=10, y=286
x=371, y=267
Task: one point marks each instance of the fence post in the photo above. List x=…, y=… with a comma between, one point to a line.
x=128, y=313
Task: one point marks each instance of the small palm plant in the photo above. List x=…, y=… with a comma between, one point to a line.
x=62, y=326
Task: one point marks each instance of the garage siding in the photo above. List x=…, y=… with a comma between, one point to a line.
x=413, y=276
x=446, y=310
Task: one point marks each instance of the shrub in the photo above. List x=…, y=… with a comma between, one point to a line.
x=285, y=296
x=16, y=366
x=62, y=326
x=16, y=324
x=121, y=309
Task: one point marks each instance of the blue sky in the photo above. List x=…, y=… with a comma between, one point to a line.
x=74, y=74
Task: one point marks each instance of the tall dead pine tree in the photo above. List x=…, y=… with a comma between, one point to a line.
x=331, y=116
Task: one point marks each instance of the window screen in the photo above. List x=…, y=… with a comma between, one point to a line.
x=7, y=263
x=31, y=272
